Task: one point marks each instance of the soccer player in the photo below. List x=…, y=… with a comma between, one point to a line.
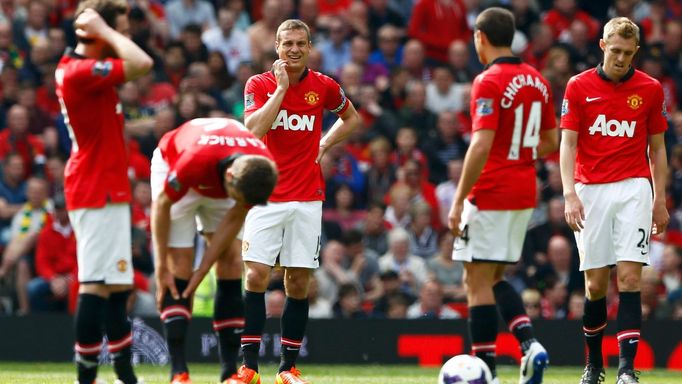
x=96, y=179
x=611, y=117
x=284, y=107
x=210, y=171
x=513, y=125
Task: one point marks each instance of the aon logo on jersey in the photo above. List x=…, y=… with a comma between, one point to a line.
x=612, y=127
x=293, y=122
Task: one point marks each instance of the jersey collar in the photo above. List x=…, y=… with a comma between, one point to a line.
x=504, y=60
x=72, y=53
x=602, y=74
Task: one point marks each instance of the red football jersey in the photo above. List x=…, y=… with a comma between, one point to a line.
x=513, y=99
x=194, y=150
x=613, y=121
x=97, y=170
x=294, y=138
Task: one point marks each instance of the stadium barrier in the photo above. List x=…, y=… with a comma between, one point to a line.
x=372, y=341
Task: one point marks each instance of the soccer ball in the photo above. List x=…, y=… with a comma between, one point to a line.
x=464, y=369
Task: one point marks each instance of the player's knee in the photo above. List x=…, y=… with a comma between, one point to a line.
x=629, y=282
x=595, y=289
x=257, y=279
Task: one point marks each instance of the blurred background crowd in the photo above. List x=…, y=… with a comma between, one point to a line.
x=407, y=65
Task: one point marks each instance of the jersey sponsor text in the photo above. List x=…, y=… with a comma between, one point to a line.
x=612, y=127
x=293, y=122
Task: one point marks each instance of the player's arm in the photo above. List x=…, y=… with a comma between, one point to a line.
x=658, y=163
x=136, y=62
x=160, y=221
x=340, y=130
x=224, y=235
x=574, y=210
x=260, y=121
x=549, y=142
x=474, y=162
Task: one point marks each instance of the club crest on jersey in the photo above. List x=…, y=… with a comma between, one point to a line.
x=245, y=246
x=635, y=101
x=102, y=68
x=312, y=97
x=122, y=265
x=484, y=107
x=248, y=100
x=564, y=107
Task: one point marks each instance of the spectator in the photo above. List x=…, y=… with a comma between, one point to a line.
x=447, y=272
x=671, y=270
x=444, y=145
x=375, y=228
x=344, y=212
x=390, y=51
x=381, y=172
x=421, y=190
x=32, y=30
x=234, y=44
x=584, y=53
x=262, y=32
x=445, y=191
x=16, y=138
x=562, y=14
x=397, y=306
x=430, y=304
x=348, y=304
x=414, y=113
x=12, y=191
x=410, y=268
x=437, y=23
x=181, y=13
x=541, y=40
x=55, y=262
x=407, y=149
x=10, y=56
x=332, y=274
x=423, y=239
x=362, y=264
x=274, y=303
x=576, y=305
x=442, y=93
x=335, y=49
x=560, y=264
x=25, y=228
x=391, y=288
x=460, y=64
x=532, y=303
x=554, y=296
x=360, y=48
x=318, y=307
x=357, y=17
x=414, y=61
x=195, y=49
x=398, y=211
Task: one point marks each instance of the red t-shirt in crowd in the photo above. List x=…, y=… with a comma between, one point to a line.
x=513, y=99
x=97, y=170
x=613, y=121
x=294, y=138
x=195, y=150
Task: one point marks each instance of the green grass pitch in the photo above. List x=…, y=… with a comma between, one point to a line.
x=53, y=373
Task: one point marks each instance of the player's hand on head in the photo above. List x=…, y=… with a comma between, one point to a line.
x=574, y=212
x=90, y=25
x=280, y=69
x=661, y=218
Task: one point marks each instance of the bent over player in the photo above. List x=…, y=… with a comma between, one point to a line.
x=96, y=179
x=612, y=121
x=207, y=173
x=513, y=124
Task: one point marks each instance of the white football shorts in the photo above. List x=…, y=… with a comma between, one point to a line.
x=192, y=213
x=618, y=218
x=491, y=236
x=103, y=244
x=289, y=230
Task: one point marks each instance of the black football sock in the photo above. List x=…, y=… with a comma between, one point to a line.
x=228, y=323
x=294, y=320
x=514, y=314
x=254, y=322
x=120, y=337
x=629, y=325
x=89, y=319
x=594, y=324
x=483, y=333
x=176, y=315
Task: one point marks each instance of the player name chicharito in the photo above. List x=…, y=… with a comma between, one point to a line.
x=519, y=81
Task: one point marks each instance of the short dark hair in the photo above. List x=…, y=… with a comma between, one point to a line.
x=255, y=177
x=351, y=237
x=108, y=9
x=498, y=25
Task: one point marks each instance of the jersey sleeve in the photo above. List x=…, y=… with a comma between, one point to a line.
x=180, y=178
x=548, y=112
x=570, y=113
x=254, y=95
x=485, y=104
x=98, y=74
x=657, y=120
x=335, y=99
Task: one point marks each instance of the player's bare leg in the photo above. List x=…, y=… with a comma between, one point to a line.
x=629, y=319
x=228, y=308
x=294, y=321
x=478, y=279
x=594, y=323
x=177, y=313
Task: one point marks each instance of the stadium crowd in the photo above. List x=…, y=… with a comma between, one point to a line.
x=407, y=65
